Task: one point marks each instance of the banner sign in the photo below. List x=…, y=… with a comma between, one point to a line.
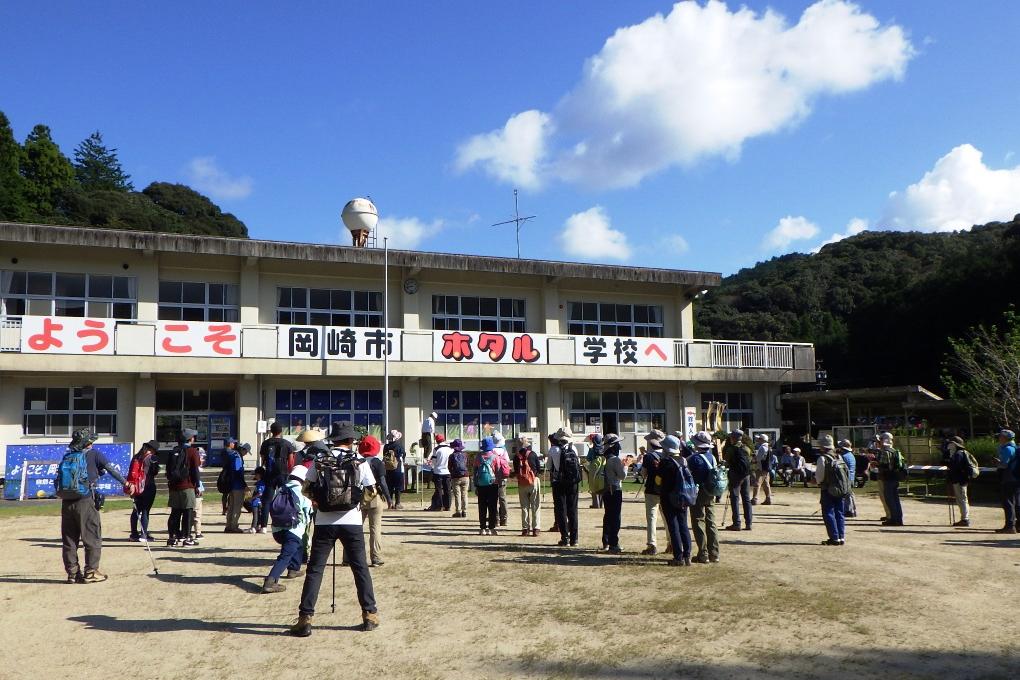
x=38, y=463
x=690, y=421
x=336, y=342
x=66, y=335
x=606, y=350
x=197, y=339
x=489, y=347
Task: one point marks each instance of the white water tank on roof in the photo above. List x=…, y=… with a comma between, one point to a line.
x=360, y=217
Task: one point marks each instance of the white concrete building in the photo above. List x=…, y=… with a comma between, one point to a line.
x=138, y=334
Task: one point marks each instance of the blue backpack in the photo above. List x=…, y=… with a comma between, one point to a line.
x=72, y=480
x=718, y=479
x=684, y=493
x=485, y=475
x=284, y=510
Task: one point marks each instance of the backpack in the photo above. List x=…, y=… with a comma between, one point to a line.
x=973, y=469
x=896, y=465
x=837, y=478
x=336, y=485
x=684, y=493
x=223, y=480
x=597, y=475
x=457, y=464
x=650, y=464
x=273, y=468
x=526, y=476
x=485, y=473
x=284, y=510
x=569, y=469
x=718, y=478
x=741, y=465
x=389, y=459
x=177, y=470
x=136, y=478
x=72, y=480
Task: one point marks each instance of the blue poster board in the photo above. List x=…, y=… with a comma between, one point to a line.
x=39, y=481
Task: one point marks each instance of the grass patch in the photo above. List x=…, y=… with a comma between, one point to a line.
x=51, y=507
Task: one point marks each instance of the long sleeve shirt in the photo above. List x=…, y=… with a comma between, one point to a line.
x=97, y=464
x=615, y=473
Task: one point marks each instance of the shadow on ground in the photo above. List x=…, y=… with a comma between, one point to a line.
x=114, y=625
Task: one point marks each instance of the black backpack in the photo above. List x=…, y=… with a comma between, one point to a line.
x=336, y=487
x=569, y=469
x=740, y=466
x=177, y=471
x=457, y=464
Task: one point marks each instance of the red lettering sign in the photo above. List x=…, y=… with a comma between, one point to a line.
x=219, y=335
x=168, y=344
x=457, y=346
x=94, y=330
x=41, y=342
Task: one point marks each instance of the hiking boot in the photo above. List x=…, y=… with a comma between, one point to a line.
x=650, y=550
x=701, y=559
x=94, y=576
x=377, y=563
x=733, y=527
x=294, y=573
x=75, y=578
x=534, y=532
x=272, y=586
x=687, y=561
x=525, y=532
x=303, y=627
x=1006, y=530
x=369, y=621
x=615, y=550
x=562, y=542
x=768, y=501
x=962, y=523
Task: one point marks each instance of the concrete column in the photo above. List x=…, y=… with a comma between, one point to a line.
x=248, y=411
x=552, y=416
x=551, y=312
x=249, y=292
x=409, y=413
x=145, y=410
x=409, y=306
x=684, y=318
x=147, y=273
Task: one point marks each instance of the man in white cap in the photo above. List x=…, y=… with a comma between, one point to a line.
x=1009, y=475
x=565, y=475
x=828, y=469
x=762, y=469
x=891, y=471
x=703, y=468
x=650, y=465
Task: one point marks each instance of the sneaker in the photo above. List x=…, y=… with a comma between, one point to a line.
x=615, y=550
x=701, y=559
x=572, y=544
x=142, y=539
x=171, y=543
x=687, y=561
x=525, y=532
x=534, y=532
x=303, y=627
x=650, y=550
x=714, y=560
x=768, y=501
x=1006, y=530
x=747, y=528
x=890, y=523
x=841, y=541
x=294, y=573
x=502, y=522
x=754, y=501
x=377, y=563
x=562, y=542
x=455, y=515
x=482, y=532
x=369, y=621
x=398, y=506
x=272, y=586
x=237, y=530
x=198, y=537
x=261, y=530
x=675, y=563
x=75, y=578
x=189, y=542
x=962, y=523
x=133, y=537
x=733, y=527
x=830, y=541
x=494, y=532
x=555, y=529
x=94, y=576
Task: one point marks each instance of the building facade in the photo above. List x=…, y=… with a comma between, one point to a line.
x=139, y=334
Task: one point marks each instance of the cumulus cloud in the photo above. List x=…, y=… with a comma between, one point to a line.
x=695, y=83
x=405, y=233
x=853, y=227
x=206, y=176
x=788, y=230
x=959, y=192
x=590, y=234
x=675, y=244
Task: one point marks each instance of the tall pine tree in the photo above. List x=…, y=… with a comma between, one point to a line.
x=48, y=172
x=13, y=202
x=98, y=168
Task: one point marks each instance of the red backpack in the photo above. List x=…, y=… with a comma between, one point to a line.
x=525, y=476
x=136, y=475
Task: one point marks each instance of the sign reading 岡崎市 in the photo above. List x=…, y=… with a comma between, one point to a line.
x=607, y=350
x=66, y=335
x=336, y=342
x=489, y=347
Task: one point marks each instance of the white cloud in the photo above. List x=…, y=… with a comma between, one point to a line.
x=853, y=227
x=404, y=233
x=694, y=83
x=788, y=230
x=675, y=244
x=512, y=154
x=590, y=234
x=959, y=192
x=207, y=177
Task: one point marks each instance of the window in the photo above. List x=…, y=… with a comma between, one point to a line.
x=463, y=313
x=58, y=411
x=594, y=318
x=60, y=294
x=625, y=413
x=739, y=408
x=473, y=414
x=209, y=412
x=198, y=301
x=297, y=410
x=329, y=307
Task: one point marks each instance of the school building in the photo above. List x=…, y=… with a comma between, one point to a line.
x=139, y=334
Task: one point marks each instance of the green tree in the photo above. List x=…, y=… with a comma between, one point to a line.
x=982, y=370
x=200, y=215
x=13, y=203
x=97, y=167
x=47, y=172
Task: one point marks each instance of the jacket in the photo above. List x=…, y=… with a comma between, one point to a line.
x=701, y=464
x=1006, y=454
x=650, y=463
x=957, y=467
x=379, y=470
x=732, y=451
x=615, y=473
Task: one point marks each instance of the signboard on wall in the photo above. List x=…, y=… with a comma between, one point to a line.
x=197, y=339
x=489, y=347
x=336, y=342
x=66, y=335
x=607, y=350
x=37, y=465
x=690, y=421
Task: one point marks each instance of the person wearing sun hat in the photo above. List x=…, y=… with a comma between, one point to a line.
x=706, y=535
x=393, y=460
x=650, y=466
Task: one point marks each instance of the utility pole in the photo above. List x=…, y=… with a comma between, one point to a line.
x=518, y=222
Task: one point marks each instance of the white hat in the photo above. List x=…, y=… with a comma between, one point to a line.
x=299, y=472
x=312, y=434
x=394, y=435
x=433, y=415
x=498, y=439
x=886, y=438
x=826, y=442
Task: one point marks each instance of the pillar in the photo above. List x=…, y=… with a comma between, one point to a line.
x=145, y=410
x=249, y=291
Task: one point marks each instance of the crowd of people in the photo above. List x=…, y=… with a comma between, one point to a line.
x=323, y=488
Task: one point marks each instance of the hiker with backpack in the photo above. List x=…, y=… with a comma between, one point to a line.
x=528, y=471
x=375, y=498
x=1009, y=481
x=258, y=501
x=499, y=449
x=141, y=487
x=763, y=459
x=596, y=461
x=650, y=466
x=678, y=493
x=290, y=513
x=738, y=461
x=961, y=470
x=712, y=481
x=393, y=460
x=459, y=478
x=231, y=482
x=892, y=470
x=565, y=477
x=845, y=450
x=490, y=469
x=834, y=482
x=182, y=479
x=75, y=485
x=612, y=496
x=335, y=482
x=440, y=460
x=276, y=457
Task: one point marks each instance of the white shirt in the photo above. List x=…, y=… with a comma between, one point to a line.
x=352, y=516
x=440, y=459
x=429, y=425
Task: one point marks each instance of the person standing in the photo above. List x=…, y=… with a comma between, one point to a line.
x=376, y=499
x=762, y=469
x=528, y=471
x=703, y=465
x=612, y=496
x=846, y=452
x=489, y=470
x=292, y=555
x=142, y=482
x=393, y=459
x=499, y=444
x=891, y=471
x=182, y=478
x=276, y=456
x=195, y=530
x=459, y=478
x=428, y=430
x=596, y=461
x=565, y=473
x=738, y=459
x=1009, y=481
x=959, y=473
x=337, y=523
x=440, y=461
x=670, y=471
x=77, y=474
x=235, y=496
x=650, y=467
x=832, y=505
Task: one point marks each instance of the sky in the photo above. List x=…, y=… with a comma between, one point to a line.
x=704, y=136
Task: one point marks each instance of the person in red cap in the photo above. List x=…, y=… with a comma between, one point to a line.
x=373, y=504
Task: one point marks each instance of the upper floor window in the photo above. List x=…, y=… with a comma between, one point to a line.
x=58, y=411
x=198, y=301
x=468, y=313
x=329, y=307
x=595, y=318
x=58, y=294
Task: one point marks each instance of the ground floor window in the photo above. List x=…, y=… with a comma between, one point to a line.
x=211, y=413
x=473, y=414
x=58, y=411
x=299, y=409
x=625, y=413
x=739, y=408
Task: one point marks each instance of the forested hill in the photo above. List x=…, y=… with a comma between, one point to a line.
x=38, y=183
x=879, y=306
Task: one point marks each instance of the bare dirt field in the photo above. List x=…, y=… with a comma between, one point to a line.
x=920, y=601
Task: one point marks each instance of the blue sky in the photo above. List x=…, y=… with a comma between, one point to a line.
x=707, y=159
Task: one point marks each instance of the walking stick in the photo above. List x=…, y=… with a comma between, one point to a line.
x=332, y=606
x=146, y=537
x=726, y=507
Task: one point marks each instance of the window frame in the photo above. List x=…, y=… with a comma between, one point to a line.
x=87, y=300
x=366, y=413
x=603, y=318
x=517, y=411
x=364, y=311
x=514, y=321
x=227, y=313
x=74, y=411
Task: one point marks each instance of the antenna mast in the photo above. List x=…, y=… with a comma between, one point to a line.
x=518, y=221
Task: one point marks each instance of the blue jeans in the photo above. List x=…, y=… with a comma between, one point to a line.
x=679, y=532
x=292, y=554
x=612, y=503
x=891, y=490
x=834, y=516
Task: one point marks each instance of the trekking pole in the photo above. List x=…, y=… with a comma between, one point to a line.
x=146, y=537
x=332, y=606
x=726, y=506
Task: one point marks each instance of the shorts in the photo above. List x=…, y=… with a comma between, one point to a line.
x=182, y=500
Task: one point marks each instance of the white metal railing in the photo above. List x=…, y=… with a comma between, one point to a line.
x=10, y=334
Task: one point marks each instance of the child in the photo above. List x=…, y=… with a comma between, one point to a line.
x=256, y=501
x=293, y=553
x=196, y=518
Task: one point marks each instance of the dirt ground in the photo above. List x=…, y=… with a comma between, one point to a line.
x=914, y=602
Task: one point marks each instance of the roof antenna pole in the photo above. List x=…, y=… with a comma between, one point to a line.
x=518, y=222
